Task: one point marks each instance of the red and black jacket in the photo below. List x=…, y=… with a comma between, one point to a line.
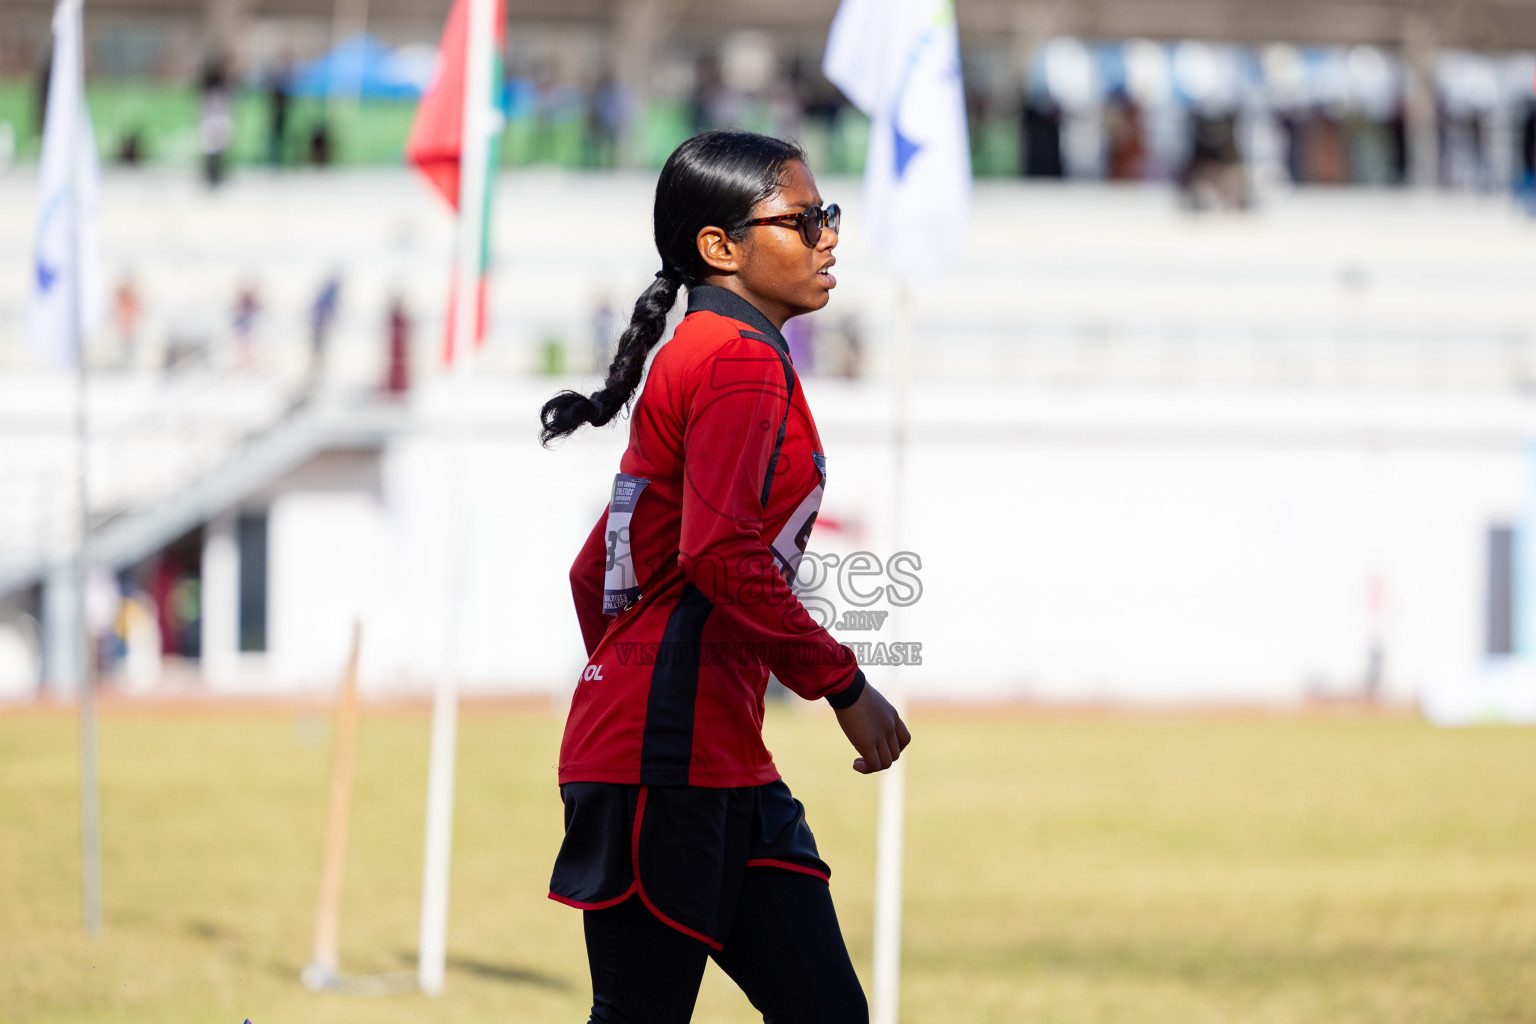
x=684, y=587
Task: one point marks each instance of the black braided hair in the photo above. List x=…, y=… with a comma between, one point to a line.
x=712, y=179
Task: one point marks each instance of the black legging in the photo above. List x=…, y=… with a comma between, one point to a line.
x=785, y=951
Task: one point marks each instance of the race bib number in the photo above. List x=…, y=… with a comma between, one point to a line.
x=789, y=546
x=620, y=587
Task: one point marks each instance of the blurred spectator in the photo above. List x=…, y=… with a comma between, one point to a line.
x=1327, y=151
x=607, y=120
x=785, y=110
x=713, y=104
x=40, y=96
x=1372, y=152
x=130, y=148
x=560, y=105
x=800, y=336
x=322, y=317
x=1463, y=156
x=176, y=594
x=397, y=380
x=819, y=98
x=821, y=105
x=279, y=98
x=1214, y=178
x=1042, y=138
x=1525, y=159
x=126, y=309
x=320, y=145
x=978, y=112
x=247, y=313
x=1124, y=139
x=1293, y=125
x=1375, y=151
x=138, y=627
x=187, y=604
x=792, y=97
x=103, y=602
x=705, y=82
x=217, y=125
x=840, y=353
x=1317, y=150
x=1397, y=129
x=1527, y=155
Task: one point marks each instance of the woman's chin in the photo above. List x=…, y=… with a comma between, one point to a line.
x=809, y=301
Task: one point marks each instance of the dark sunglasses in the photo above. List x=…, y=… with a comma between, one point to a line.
x=810, y=221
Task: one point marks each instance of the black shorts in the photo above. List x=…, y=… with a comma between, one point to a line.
x=683, y=850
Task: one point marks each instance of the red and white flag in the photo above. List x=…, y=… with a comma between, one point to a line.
x=436, y=142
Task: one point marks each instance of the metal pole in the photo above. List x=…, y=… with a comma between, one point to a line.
x=474, y=180
x=90, y=781
x=890, y=833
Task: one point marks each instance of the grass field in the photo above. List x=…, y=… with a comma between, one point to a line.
x=1061, y=868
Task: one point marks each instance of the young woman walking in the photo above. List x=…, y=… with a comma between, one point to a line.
x=682, y=843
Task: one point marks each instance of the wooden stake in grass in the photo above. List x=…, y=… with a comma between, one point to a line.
x=325, y=965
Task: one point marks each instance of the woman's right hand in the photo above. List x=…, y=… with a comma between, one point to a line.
x=875, y=730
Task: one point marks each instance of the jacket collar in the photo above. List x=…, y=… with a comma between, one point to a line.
x=713, y=299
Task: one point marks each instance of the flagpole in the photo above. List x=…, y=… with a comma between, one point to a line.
x=59, y=319
x=891, y=827
x=898, y=61
x=474, y=175
x=90, y=772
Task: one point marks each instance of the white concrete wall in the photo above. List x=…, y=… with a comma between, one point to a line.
x=328, y=566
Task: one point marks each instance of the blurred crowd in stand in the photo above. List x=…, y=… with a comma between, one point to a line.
x=1225, y=124
x=144, y=623
x=1218, y=119
x=1222, y=120
x=245, y=329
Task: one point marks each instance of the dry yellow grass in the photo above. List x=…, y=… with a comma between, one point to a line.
x=1060, y=868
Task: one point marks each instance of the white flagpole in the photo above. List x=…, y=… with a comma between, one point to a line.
x=898, y=61
x=90, y=771
x=891, y=828
x=890, y=845
x=71, y=94
x=474, y=180
x=63, y=308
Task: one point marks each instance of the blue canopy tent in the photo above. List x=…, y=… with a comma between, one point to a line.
x=363, y=66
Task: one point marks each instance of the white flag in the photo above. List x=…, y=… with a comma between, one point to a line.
x=67, y=301
x=898, y=61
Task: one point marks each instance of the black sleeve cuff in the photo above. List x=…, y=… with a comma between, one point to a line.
x=845, y=697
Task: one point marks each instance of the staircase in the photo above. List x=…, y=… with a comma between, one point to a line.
x=164, y=455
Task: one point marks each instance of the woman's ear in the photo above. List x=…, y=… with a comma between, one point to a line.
x=719, y=251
